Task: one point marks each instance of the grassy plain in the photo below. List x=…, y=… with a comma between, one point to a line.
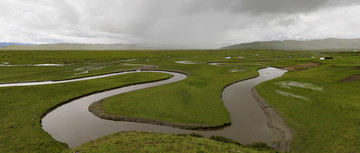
x=194, y=100
x=18, y=66
x=21, y=109
x=198, y=98
x=328, y=118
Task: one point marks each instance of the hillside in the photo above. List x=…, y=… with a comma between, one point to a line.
x=3, y=44
x=322, y=44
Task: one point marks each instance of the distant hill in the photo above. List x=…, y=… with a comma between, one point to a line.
x=65, y=46
x=330, y=44
x=3, y=44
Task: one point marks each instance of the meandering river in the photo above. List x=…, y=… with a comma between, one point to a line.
x=73, y=124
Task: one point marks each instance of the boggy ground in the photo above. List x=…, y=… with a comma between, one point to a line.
x=20, y=115
x=302, y=66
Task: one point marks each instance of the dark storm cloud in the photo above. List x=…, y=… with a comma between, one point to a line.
x=257, y=6
x=279, y=6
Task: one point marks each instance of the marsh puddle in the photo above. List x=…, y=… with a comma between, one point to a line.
x=62, y=81
x=289, y=84
x=73, y=124
x=129, y=60
x=237, y=70
x=289, y=94
x=214, y=63
x=46, y=64
x=131, y=64
x=185, y=62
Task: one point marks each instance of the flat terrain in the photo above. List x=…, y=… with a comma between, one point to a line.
x=324, y=118
x=21, y=109
x=321, y=109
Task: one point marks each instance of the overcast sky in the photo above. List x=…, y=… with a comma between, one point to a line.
x=177, y=23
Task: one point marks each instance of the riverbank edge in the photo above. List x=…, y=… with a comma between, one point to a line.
x=282, y=134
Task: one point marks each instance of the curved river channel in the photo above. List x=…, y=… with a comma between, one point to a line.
x=73, y=124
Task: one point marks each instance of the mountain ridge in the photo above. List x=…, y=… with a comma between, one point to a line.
x=317, y=44
x=3, y=44
x=328, y=44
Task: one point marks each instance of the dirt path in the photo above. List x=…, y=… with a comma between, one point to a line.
x=352, y=78
x=302, y=66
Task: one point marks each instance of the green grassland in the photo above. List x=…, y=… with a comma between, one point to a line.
x=187, y=102
x=152, y=142
x=21, y=109
x=329, y=120
x=75, y=64
x=99, y=62
x=196, y=99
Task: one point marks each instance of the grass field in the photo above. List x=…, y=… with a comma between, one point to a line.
x=186, y=102
x=98, y=62
x=21, y=109
x=152, y=142
x=196, y=99
x=326, y=116
x=327, y=122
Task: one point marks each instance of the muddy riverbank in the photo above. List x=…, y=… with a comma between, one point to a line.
x=282, y=134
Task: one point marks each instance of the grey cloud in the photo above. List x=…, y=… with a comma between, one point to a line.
x=279, y=6
x=286, y=6
x=190, y=23
x=267, y=6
